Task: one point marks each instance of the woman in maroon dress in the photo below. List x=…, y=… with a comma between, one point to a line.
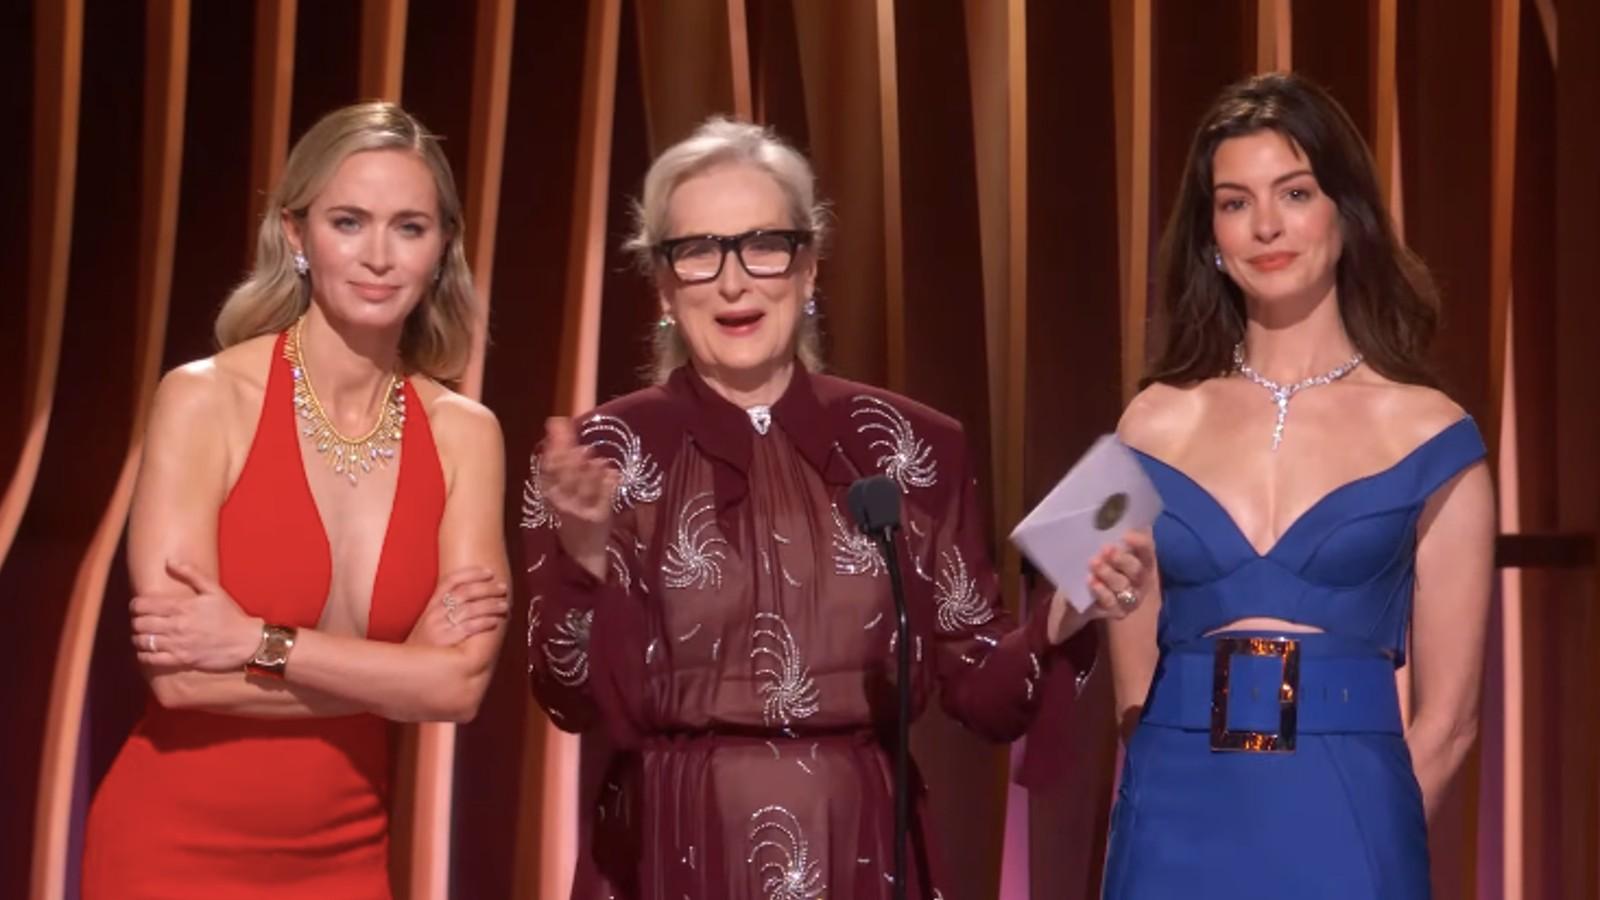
x=698, y=590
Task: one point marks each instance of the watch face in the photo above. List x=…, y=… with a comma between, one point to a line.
x=273, y=651
x=275, y=648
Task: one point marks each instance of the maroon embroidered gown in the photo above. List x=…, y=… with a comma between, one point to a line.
x=740, y=653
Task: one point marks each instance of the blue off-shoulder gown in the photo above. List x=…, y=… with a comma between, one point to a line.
x=1340, y=814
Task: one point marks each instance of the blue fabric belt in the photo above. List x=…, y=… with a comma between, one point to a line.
x=1346, y=685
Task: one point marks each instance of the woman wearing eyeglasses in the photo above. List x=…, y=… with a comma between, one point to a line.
x=698, y=590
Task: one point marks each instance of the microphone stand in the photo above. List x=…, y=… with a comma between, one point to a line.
x=902, y=748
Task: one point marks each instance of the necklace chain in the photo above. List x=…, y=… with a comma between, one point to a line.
x=1281, y=393
x=349, y=456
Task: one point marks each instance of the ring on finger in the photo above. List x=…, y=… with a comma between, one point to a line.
x=1127, y=599
x=449, y=600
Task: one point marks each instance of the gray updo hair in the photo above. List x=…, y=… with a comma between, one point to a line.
x=716, y=142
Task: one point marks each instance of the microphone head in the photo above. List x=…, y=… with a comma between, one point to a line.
x=874, y=503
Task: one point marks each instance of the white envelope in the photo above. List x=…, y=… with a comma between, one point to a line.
x=1105, y=495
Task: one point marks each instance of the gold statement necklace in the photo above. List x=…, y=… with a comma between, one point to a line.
x=349, y=456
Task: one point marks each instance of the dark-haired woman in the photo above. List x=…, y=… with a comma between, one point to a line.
x=1328, y=518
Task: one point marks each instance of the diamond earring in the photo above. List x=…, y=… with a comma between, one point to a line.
x=666, y=321
x=1216, y=259
x=301, y=264
x=810, y=308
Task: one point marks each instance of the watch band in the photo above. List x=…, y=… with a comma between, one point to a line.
x=272, y=655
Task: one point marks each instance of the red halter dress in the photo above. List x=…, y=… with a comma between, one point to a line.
x=203, y=805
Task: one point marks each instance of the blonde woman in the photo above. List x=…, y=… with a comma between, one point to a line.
x=300, y=494
x=699, y=592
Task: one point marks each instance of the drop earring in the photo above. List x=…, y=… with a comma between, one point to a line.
x=666, y=321
x=810, y=308
x=1216, y=259
x=302, y=266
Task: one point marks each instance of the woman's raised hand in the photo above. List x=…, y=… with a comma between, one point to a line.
x=579, y=486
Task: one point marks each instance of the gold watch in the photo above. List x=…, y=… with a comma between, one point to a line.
x=272, y=656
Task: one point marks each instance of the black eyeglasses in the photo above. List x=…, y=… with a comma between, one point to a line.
x=764, y=253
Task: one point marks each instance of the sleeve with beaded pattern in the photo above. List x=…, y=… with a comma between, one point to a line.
x=993, y=675
x=586, y=637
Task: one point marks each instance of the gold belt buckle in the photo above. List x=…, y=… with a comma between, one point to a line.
x=1287, y=650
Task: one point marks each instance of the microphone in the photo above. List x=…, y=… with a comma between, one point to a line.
x=875, y=506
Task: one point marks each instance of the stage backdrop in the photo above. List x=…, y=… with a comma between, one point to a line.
x=999, y=171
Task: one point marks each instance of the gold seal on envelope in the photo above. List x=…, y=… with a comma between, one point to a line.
x=1106, y=489
x=1111, y=511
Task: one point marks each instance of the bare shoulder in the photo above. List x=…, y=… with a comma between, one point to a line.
x=1414, y=413
x=188, y=394
x=448, y=410
x=249, y=360
x=242, y=370
x=216, y=386
x=462, y=427
x=1161, y=416
x=204, y=411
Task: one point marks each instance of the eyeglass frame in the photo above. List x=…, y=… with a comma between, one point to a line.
x=798, y=237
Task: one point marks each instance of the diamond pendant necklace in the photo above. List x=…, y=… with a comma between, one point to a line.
x=347, y=455
x=1281, y=393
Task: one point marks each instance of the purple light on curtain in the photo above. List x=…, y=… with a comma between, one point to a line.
x=1014, y=855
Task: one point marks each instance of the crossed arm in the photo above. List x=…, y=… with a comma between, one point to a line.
x=204, y=638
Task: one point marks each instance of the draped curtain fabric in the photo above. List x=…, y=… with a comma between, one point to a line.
x=999, y=171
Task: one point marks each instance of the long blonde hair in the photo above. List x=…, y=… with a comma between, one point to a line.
x=717, y=141
x=437, y=336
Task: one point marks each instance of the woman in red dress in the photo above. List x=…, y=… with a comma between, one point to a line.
x=300, y=494
x=698, y=590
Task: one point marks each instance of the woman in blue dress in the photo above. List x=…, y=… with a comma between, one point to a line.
x=1328, y=518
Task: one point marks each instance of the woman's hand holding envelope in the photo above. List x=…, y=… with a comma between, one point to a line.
x=1119, y=577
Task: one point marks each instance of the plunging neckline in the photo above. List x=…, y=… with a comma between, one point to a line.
x=280, y=369
x=413, y=407
x=1294, y=525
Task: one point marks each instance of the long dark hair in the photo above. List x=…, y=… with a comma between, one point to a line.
x=1387, y=299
